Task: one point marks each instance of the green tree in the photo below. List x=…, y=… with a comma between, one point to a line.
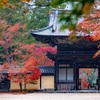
x=33, y=18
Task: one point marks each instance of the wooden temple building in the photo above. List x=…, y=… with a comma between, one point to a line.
x=71, y=56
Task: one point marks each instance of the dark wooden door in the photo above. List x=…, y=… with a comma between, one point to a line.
x=5, y=85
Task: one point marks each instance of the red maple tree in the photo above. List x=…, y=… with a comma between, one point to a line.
x=90, y=26
x=15, y=54
x=30, y=73
x=7, y=44
x=39, y=51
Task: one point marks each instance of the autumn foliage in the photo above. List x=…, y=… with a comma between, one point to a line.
x=19, y=58
x=30, y=73
x=11, y=3
x=8, y=44
x=85, y=84
x=16, y=52
x=31, y=62
x=39, y=51
x=32, y=70
x=90, y=26
x=88, y=77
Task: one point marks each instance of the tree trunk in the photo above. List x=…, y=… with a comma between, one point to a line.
x=24, y=84
x=20, y=84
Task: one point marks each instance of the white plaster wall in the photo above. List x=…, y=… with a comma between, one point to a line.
x=47, y=82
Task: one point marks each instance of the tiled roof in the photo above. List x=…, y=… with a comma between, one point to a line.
x=47, y=70
x=49, y=31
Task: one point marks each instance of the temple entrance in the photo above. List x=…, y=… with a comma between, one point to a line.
x=88, y=78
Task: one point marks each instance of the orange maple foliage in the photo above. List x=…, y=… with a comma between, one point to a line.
x=27, y=74
x=86, y=70
x=32, y=62
x=7, y=41
x=11, y=3
x=31, y=68
x=21, y=58
x=96, y=54
x=39, y=51
x=85, y=84
x=90, y=26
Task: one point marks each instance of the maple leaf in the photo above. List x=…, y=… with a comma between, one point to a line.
x=96, y=54
x=85, y=84
x=14, y=28
x=32, y=62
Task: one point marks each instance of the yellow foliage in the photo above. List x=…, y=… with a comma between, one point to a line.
x=7, y=4
x=87, y=7
x=4, y=2
x=26, y=0
x=87, y=70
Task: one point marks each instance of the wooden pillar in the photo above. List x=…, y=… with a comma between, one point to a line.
x=55, y=76
x=76, y=77
x=98, y=79
x=40, y=82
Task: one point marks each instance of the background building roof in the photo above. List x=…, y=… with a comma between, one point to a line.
x=47, y=70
